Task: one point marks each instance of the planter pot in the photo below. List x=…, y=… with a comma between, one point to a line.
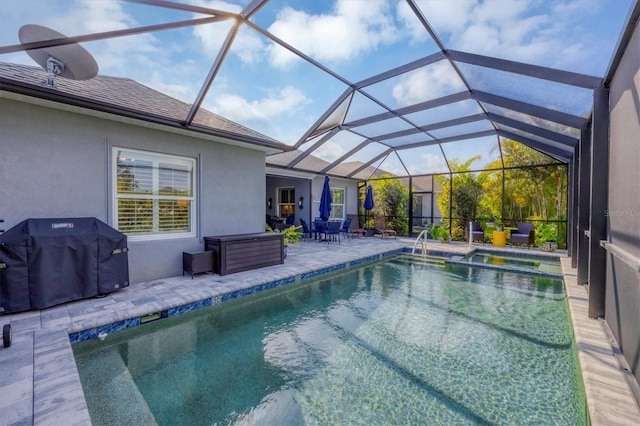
x=368, y=232
x=549, y=246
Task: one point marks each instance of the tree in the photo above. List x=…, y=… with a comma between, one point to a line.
x=461, y=193
x=534, y=192
x=391, y=199
x=531, y=191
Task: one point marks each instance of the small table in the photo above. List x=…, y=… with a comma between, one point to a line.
x=195, y=262
x=499, y=239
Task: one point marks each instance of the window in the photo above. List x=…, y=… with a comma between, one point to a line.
x=286, y=202
x=154, y=194
x=337, y=206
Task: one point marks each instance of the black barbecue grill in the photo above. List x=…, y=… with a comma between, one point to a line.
x=45, y=262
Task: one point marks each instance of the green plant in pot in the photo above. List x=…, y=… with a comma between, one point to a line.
x=292, y=235
x=439, y=231
x=547, y=236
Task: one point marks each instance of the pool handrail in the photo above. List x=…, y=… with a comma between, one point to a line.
x=422, y=238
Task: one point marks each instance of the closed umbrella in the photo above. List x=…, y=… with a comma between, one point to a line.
x=325, y=200
x=368, y=204
x=368, y=200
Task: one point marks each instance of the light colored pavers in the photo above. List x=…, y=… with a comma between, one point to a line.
x=40, y=383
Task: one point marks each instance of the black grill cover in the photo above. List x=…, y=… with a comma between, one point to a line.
x=44, y=262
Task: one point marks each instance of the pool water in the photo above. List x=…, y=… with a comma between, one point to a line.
x=396, y=342
x=543, y=265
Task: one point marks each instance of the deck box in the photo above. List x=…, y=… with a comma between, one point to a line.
x=235, y=253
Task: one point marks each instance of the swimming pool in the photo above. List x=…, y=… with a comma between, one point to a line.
x=399, y=341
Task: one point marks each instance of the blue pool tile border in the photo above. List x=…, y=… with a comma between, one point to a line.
x=256, y=289
x=93, y=333
x=183, y=309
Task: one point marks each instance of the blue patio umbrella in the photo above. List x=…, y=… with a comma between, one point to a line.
x=325, y=200
x=368, y=203
x=368, y=199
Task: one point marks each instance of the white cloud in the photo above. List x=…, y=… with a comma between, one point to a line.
x=275, y=104
x=519, y=30
x=427, y=83
x=428, y=163
x=446, y=16
x=247, y=45
x=411, y=22
x=351, y=29
x=329, y=151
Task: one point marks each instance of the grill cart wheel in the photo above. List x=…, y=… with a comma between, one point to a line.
x=6, y=335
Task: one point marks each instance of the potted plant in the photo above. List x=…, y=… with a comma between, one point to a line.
x=291, y=236
x=546, y=237
x=439, y=232
x=499, y=225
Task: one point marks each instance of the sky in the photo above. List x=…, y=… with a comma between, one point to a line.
x=267, y=88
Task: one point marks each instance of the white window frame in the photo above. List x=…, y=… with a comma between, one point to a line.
x=343, y=204
x=156, y=157
x=292, y=204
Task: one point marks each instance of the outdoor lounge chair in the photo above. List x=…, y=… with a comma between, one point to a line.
x=477, y=233
x=526, y=234
x=354, y=228
x=381, y=227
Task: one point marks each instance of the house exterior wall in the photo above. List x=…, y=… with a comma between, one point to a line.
x=57, y=164
x=623, y=214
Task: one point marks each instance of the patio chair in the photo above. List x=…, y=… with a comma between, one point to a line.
x=306, y=232
x=319, y=228
x=346, y=225
x=280, y=226
x=333, y=231
x=526, y=234
x=477, y=233
x=381, y=227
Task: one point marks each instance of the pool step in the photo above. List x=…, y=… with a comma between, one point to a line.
x=122, y=403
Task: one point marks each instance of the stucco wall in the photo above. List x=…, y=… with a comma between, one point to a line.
x=623, y=281
x=56, y=164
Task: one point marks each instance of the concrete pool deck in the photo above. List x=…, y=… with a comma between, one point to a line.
x=40, y=385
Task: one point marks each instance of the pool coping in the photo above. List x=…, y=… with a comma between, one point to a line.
x=609, y=398
x=43, y=386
